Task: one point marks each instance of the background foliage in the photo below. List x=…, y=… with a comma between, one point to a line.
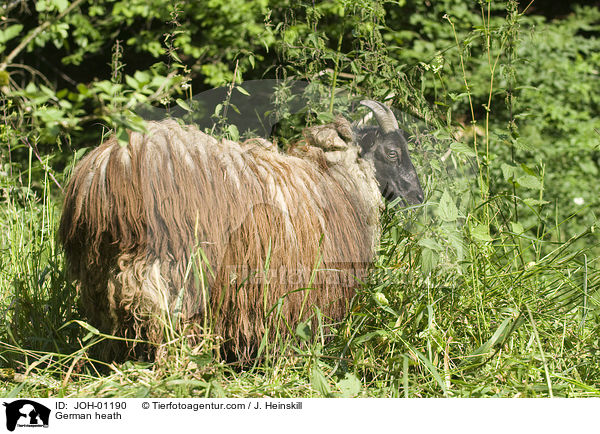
x=490, y=289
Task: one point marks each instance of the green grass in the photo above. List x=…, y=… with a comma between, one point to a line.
x=515, y=316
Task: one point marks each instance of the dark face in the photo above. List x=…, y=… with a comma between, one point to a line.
x=394, y=171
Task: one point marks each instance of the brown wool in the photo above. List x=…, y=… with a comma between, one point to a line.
x=135, y=218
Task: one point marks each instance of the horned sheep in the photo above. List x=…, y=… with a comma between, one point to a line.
x=181, y=224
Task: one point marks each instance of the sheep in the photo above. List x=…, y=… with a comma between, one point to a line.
x=180, y=224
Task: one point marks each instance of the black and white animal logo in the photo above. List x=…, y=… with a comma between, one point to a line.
x=26, y=413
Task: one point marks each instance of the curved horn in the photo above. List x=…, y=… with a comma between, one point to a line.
x=385, y=118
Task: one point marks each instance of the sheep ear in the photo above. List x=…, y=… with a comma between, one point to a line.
x=325, y=137
x=344, y=128
x=367, y=143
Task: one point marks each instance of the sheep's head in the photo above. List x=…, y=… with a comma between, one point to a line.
x=387, y=148
x=383, y=145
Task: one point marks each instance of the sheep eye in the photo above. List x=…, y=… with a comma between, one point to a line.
x=392, y=155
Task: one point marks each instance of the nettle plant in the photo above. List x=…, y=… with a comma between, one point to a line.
x=73, y=70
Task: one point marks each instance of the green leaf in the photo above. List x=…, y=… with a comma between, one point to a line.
x=498, y=336
x=381, y=299
x=481, y=233
x=175, y=56
x=41, y=6
x=235, y=109
x=462, y=148
x=10, y=32
x=142, y=77
x=234, y=134
x=535, y=202
x=447, y=209
x=429, y=259
x=368, y=336
x=181, y=103
x=324, y=117
x=319, y=382
x=431, y=244
x=242, y=90
x=303, y=331
x=430, y=254
x=350, y=385
x=508, y=171
x=82, y=89
x=122, y=137
x=79, y=153
x=4, y=78
x=528, y=170
x=132, y=82
x=516, y=227
x=60, y=5
x=529, y=181
x=88, y=327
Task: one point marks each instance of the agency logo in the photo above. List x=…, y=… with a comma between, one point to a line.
x=26, y=413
